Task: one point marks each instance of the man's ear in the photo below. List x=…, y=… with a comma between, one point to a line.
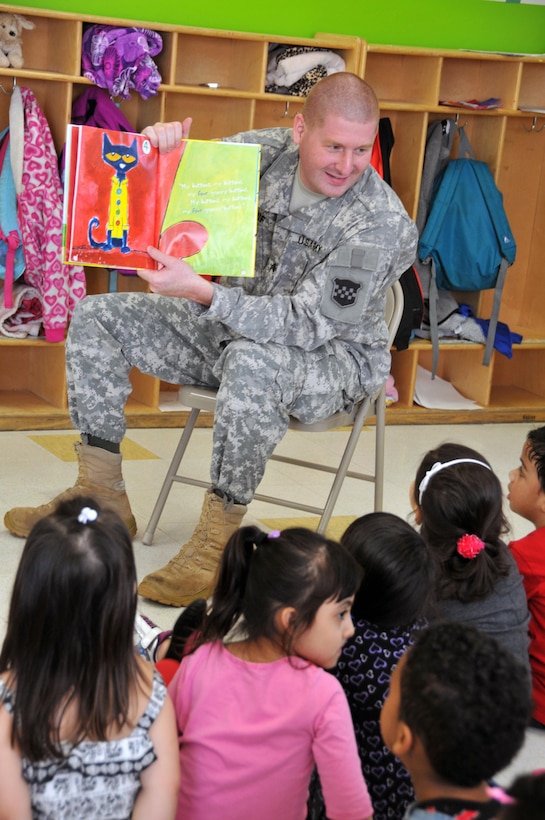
x=298, y=128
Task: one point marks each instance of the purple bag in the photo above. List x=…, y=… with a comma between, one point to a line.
x=119, y=59
x=95, y=107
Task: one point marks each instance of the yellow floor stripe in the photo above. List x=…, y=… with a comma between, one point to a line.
x=62, y=446
x=337, y=524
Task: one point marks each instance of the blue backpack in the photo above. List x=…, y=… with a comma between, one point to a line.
x=466, y=239
x=12, y=260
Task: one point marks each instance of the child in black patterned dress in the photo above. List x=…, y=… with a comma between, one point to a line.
x=388, y=611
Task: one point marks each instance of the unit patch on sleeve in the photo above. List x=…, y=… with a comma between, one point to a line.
x=345, y=291
x=349, y=284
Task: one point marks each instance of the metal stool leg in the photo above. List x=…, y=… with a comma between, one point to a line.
x=342, y=469
x=380, y=429
x=169, y=478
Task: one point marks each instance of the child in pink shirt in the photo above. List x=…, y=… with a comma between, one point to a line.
x=256, y=714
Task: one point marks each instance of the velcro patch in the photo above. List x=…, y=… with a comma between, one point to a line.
x=349, y=284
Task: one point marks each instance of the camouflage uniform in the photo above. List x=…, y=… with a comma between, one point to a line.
x=305, y=337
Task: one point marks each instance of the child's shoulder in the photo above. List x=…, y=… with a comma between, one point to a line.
x=534, y=541
x=214, y=663
x=528, y=553
x=151, y=694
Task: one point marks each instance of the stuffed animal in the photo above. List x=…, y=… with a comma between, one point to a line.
x=11, y=27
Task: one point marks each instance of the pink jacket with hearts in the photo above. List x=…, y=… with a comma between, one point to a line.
x=60, y=286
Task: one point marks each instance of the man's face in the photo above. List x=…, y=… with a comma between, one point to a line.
x=334, y=155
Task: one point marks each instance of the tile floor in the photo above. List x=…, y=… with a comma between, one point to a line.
x=35, y=468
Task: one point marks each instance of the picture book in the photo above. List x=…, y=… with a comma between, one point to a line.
x=198, y=202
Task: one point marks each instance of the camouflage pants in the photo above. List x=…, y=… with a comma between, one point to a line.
x=259, y=385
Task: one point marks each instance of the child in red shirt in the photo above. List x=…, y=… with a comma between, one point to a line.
x=526, y=496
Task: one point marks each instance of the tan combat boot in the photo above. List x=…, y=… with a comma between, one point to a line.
x=99, y=476
x=192, y=572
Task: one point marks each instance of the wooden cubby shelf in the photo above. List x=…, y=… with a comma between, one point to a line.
x=410, y=83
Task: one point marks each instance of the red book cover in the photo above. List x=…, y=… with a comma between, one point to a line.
x=198, y=202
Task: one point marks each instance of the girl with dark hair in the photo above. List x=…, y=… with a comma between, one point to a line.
x=86, y=727
x=389, y=610
x=458, y=503
x=255, y=714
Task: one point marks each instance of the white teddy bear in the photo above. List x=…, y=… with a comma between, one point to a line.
x=11, y=26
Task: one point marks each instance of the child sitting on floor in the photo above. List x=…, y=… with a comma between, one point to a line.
x=389, y=608
x=526, y=496
x=256, y=714
x=456, y=715
x=86, y=726
x=458, y=503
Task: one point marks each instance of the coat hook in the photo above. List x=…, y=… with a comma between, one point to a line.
x=286, y=114
x=10, y=91
x=457, y=122
x=534, y=127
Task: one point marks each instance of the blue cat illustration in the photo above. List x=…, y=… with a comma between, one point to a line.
x=122, y=158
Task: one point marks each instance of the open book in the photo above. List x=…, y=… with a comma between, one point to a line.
x=198, y=202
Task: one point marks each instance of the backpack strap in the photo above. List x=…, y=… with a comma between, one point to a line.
x=432, y=309
x=491, y=335
x=464, y=145
x=506, y=243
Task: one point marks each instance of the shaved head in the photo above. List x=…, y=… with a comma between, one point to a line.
x=343, y=95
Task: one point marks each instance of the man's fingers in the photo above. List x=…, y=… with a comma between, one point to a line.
x=159, y=256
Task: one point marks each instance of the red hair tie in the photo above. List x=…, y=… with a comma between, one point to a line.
x=469, y=546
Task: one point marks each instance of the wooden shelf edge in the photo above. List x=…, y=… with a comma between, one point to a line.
x=168, y=419
x=59, y=420
x=488, y=415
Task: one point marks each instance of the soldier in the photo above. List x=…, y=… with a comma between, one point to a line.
x=305, y=337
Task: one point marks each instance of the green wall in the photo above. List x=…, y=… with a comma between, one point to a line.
x=477, y=24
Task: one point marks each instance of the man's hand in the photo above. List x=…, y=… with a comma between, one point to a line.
x=176, y=278
x=168, y=135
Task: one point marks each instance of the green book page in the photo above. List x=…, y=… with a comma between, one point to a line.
x=210, y=209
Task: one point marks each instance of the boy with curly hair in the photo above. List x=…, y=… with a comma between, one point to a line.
x=456, y=714
x=526, y=496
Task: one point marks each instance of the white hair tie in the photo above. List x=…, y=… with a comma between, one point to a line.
x=87, y=514
x=438, y=466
